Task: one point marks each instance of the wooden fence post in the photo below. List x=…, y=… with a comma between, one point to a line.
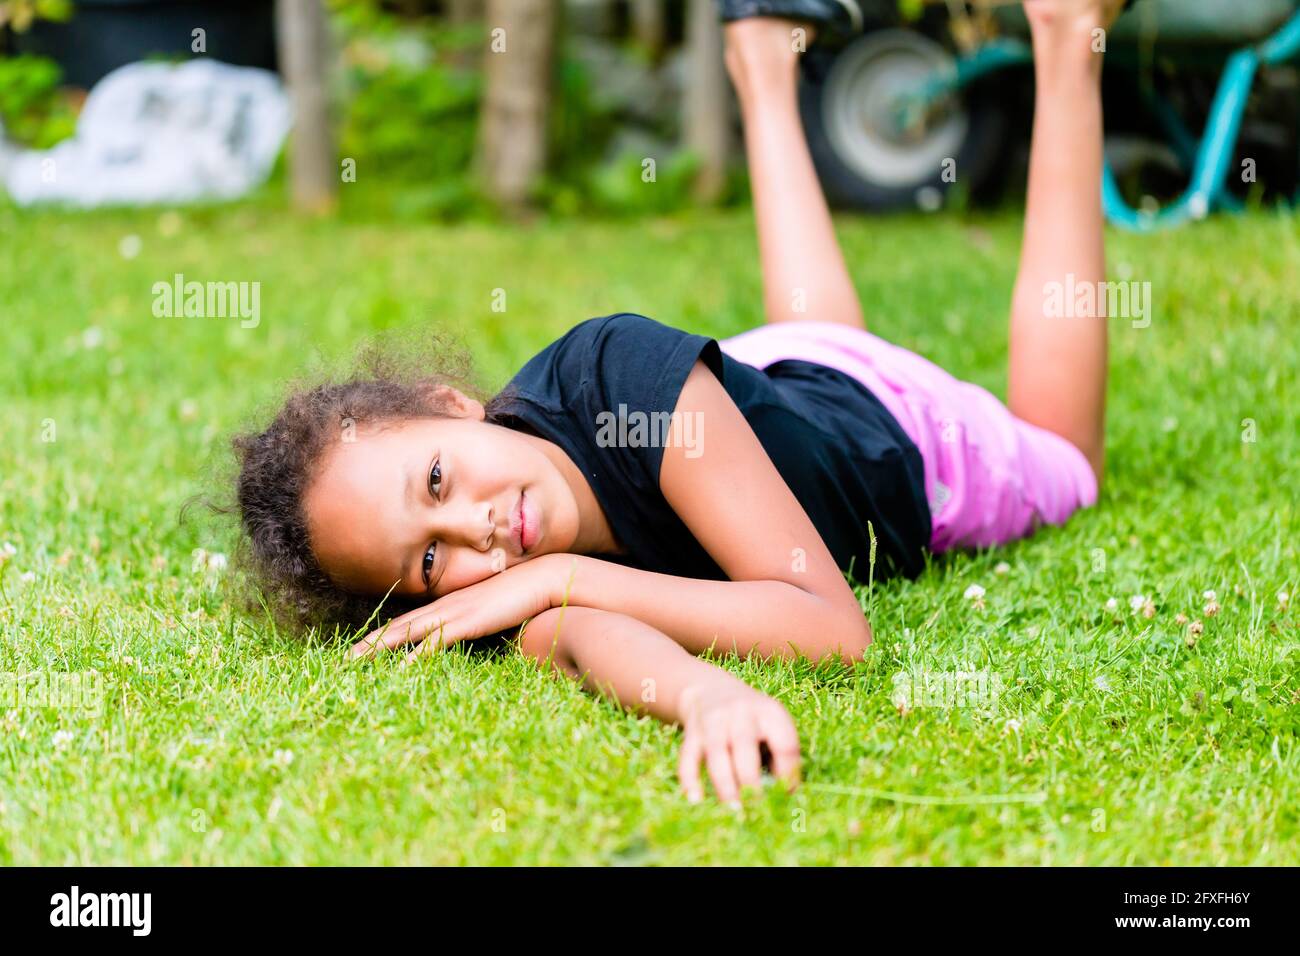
x=302, y=35
x=708, y=114
x=519, y=72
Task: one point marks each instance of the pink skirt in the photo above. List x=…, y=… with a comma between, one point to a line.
x=990, y=478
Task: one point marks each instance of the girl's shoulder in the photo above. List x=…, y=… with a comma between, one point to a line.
x=624, y=358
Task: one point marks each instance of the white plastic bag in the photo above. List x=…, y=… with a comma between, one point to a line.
x=161, y=133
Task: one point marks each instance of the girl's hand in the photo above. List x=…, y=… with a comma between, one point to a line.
x=496, y=604
x=727, y=724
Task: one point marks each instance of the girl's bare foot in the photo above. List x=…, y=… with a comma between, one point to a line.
x=759, y=47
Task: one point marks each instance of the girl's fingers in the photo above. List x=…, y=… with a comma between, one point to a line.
x=391, y=635
x=717, y=756
x=744, y=756
x=777, y=730
x=397, y=633
x=688, y=767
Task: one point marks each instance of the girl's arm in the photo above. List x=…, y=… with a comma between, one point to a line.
x=726, y=721
x=785, y=592
x=770, y=618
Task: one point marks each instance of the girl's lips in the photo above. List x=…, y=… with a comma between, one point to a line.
x=524, y=523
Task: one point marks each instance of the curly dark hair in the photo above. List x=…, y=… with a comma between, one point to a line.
x=390, y=381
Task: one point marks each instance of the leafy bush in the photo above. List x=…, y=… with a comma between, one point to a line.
x=411, y=107
x=35, y=113
x=622, y=186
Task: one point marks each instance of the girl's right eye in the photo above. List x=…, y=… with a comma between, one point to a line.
x=427, y=568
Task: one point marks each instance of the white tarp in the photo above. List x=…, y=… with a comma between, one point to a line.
x=160, y=133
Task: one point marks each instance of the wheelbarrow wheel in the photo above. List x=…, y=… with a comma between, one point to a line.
x=872, y=146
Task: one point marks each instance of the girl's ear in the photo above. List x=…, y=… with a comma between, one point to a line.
x=457, y=403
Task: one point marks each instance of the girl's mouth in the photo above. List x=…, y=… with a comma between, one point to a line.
x=524, y=523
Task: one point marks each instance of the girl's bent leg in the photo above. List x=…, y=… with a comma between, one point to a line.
x=804, y=275
x=1057, y=376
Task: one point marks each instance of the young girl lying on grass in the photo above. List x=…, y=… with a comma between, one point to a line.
x=638, y=495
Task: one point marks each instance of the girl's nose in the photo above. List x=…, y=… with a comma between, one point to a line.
x=471, y=526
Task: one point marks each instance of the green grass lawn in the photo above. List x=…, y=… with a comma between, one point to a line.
x=204, y=737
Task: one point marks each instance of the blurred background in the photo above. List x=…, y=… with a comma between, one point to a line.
x=408, y=109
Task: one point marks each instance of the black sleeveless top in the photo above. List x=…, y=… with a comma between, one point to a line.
x=605, y=393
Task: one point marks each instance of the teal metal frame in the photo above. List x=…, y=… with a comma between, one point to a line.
x=1209, y=157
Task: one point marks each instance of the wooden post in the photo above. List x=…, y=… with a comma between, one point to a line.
x=303, y=40
x=520, y=66
x=464, y=11
x=648, y=25
x=708, y=114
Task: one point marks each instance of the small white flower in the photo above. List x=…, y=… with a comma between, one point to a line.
x=1101, y=683
x=283, y=757
x=7, y=551
x=189, y=410
x=1283, y=599
x=1112, y=605
x=1012, y=726
x=62, y=738
x=27, y=577
x=1211, y=608
x=204, y=560
x=92, y=338
x=1137, y=602
x=1210, y=596
x=1002, y=568
x=129, y=246
x=974, y=593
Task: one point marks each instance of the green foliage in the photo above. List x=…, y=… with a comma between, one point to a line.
x=911, y=9
x=20, y=14
x=413, y=124
x=580, y=131
x=411, y=101
x=621, y=186
x=32, y=108
x=586, y=179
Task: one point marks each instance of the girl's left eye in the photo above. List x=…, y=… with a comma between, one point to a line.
x=427, y=568
x=435, y=478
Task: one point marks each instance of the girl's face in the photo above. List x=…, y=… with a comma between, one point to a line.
x=433, y=505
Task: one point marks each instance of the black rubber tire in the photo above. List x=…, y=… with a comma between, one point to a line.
x=850, y=187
